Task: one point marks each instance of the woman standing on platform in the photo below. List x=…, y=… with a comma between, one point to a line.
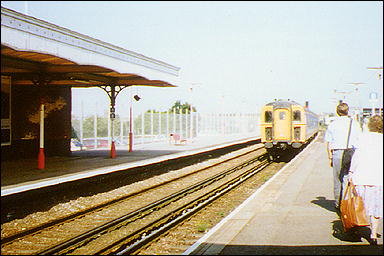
x=366, y=172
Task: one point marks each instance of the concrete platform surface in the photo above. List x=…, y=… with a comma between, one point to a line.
x=22, y=175
x=291, y=214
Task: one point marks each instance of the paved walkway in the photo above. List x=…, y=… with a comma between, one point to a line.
x=292, y=213
x=21, y=175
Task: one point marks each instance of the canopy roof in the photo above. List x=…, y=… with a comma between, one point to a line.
x=27, y=67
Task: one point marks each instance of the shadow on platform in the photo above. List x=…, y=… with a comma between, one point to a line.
x=325, y=203
x=355, y=235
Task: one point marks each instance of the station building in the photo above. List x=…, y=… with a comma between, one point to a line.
x=41, y=62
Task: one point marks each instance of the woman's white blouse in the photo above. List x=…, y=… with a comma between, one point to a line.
x=367, y=161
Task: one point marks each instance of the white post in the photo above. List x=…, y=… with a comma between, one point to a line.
x=191, y=124
x=109, y=130
x=197, y=124
x=174, y=121
x=167, y=129
x=180, y=122
x=151, y=124
x=186, y=124
x=95, y=127
x=42, y=126
x=159, y=124
x=121, y=129
x=41, y=156
x=81, y=125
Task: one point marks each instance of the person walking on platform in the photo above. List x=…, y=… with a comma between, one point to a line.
x=366, y=172
x=336, y=137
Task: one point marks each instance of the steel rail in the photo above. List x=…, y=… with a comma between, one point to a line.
x=158, y=227
x=57, y=221
x=71, y=244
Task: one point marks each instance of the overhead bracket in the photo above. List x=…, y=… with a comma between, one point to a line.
x=113, y=91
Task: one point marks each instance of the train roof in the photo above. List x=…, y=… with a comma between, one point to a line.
x=282, y=103
x=286, y=103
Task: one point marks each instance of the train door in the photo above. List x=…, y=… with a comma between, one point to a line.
x=282, y=125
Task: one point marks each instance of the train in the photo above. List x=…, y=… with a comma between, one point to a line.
x=286, y=126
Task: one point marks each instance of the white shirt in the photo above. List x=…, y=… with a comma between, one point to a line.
x=367, y=161
x=337, y=133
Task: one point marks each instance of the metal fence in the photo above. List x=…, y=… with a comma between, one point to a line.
x=152, y=127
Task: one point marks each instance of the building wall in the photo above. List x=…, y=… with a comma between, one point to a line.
x=25, y=126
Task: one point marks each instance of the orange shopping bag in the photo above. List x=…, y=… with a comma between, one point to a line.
x=352, y=209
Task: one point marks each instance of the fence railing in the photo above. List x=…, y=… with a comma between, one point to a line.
x=152, y=127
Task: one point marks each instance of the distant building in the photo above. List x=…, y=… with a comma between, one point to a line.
x=368, y=112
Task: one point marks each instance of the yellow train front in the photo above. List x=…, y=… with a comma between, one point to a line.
x=286, y=126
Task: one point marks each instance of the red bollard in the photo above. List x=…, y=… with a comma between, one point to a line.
x=113, y=150
x=130, y=142
x=41, y=159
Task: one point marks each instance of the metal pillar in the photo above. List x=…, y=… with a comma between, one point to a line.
x=137, y=98
x=112, y=91
x=130, y=128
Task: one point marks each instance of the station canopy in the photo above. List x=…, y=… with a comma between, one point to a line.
x=27, y=67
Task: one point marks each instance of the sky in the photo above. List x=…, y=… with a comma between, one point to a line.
x=236, y=56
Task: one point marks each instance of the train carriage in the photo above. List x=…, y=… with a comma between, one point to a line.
x=286, y=125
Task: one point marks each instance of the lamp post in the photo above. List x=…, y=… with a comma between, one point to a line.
x=137, y=98
x=130, y=128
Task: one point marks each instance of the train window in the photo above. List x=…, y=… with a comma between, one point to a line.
x=282, y=115
x=268, y=116
x=296, y=115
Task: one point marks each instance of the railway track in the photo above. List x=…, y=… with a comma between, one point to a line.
x=130, y=218
x=185, y=211
x=23, y=205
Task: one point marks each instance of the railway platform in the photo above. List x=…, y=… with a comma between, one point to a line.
x=291, y=214
x=23, y=175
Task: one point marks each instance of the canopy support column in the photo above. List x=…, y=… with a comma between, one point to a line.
x=112, y=94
